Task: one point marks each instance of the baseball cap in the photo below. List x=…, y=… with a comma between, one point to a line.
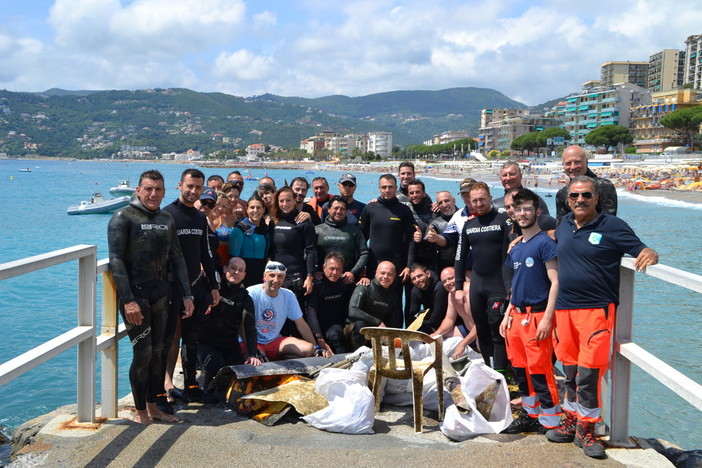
x=275, y=267
x=208, y=194
x=348, y=178
x=466, y=184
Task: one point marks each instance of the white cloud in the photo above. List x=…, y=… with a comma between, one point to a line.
x=265, y=19
x=242, y=65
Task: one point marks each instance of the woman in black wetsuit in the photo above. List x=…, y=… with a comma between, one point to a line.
x=294, y=244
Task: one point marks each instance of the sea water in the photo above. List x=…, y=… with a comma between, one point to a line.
x=41, y=305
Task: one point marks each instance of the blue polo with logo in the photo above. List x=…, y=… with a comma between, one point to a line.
x=589, y=258
x=530, y=283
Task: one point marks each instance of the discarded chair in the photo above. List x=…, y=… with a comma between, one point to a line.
x=406, y=369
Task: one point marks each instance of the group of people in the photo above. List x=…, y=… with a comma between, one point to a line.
x=281, y=276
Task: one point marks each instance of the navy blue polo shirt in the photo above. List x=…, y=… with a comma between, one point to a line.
x=530, y=283
x=589, y=258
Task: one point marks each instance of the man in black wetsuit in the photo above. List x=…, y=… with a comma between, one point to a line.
x=375, y=305
x=574, y=165
x=191, y=225
x=300, y=186
x=445, y=251
x=511, y=179
x=328, y=306
x=424, y=251
x=219, y=337
x=406, y=174
x=389, y=226
x=479, y=257
x=143, y=249
x=336, y=234
x=428, y=294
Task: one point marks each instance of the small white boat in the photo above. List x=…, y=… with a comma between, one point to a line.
x=122, y=189
x=25, y=169
x=98, y=205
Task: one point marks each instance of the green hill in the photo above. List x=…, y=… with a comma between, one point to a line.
x=99, y=123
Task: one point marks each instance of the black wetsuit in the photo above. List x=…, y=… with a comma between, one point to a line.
x=192, y=228
x=372, y=305
x=388, y=225
x=143, y=250
x=434, y=298
x=294, y=245
x=345, y=238
x=483, y=242
x=219, y=336
x=608, y=197
x=314, y=217
x=327, y=312
x=424, y=251
x=446, y=255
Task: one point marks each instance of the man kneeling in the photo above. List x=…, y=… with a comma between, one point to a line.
x=274, y=305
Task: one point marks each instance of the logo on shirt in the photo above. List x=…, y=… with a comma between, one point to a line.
x=268, y=315
x=529, y=262
x=595, y=238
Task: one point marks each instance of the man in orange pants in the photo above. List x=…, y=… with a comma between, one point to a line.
x=590, y=247
x=527, y=325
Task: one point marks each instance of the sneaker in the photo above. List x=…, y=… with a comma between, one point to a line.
x=163, y=404
x=196, y=394
x=524, y=423
x=587, y=440
x=565, y=432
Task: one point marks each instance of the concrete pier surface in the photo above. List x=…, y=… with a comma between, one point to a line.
x=215, y=435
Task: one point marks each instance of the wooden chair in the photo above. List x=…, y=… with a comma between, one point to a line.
x=405, y=369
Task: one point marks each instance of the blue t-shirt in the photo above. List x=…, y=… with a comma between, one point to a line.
x=589, y=258
x=530, y=283
x=271, y=312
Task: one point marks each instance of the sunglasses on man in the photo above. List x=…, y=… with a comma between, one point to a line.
x=576, y=195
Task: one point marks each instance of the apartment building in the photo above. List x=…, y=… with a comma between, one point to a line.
x=666, y=70
x=446, y=137
x=499, y=133
x=380, y=143
x=649, y=135
x=624, y=72
x=596, y=106
x=693, y=61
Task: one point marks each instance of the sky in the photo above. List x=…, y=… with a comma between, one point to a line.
x=532, y=51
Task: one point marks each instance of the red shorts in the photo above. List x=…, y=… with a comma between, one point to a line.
x=271, y=350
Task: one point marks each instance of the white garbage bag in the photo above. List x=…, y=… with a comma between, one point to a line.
x=461, y=426
x=351, y=403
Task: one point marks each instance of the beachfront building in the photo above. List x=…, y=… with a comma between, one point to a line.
x=649, y=135
x=337, y=145
x=499, y=133
x=624, y=72
x=446, y=137
x=693, y=61
x=255, y=149
x=665, y=70
x=380, y=143
x=597, y=106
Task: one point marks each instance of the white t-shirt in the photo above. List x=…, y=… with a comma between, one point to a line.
x=271, y=312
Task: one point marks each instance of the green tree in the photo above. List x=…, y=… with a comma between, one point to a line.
x=686, y=122
x=609, y=135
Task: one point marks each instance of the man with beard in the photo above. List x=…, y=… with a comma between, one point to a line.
x=527, y=324
x=337, y=234
x=300, y=186
x=428, y=294
x=406, y=174
x=424, y=251
x=479, y=259
x=191, y=225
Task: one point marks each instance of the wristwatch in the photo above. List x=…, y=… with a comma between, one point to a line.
x=192, y=298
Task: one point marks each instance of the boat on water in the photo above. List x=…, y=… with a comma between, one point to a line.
x=98, y=205
x=122, y=189
x=249, y=176
x=25, y=169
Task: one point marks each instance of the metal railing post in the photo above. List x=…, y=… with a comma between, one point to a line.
x=621, y=366
x=87, y=286
x=109, y=356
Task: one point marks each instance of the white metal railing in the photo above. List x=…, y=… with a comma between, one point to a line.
x=626, y=352
x=83, y=335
